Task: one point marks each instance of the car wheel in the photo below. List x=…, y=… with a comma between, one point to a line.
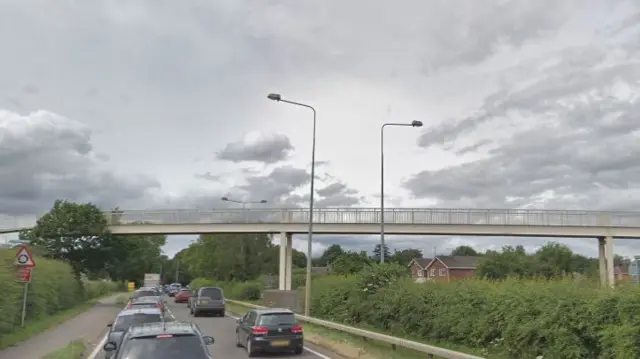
x=250, y=352
x=196, y=313
x=238, y=344
x=298, y=350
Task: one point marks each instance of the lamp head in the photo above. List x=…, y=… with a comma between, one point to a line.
x=274, y=97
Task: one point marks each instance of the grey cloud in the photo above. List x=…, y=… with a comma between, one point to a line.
x=338, y=194
x=578, y=140
x=208, y=176
x=44, y=157
x=267, y=149
x=275, y=186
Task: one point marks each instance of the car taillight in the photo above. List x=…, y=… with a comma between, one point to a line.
x=297, y=329
x=259, y=331
x=130, y=305
x=164, y=336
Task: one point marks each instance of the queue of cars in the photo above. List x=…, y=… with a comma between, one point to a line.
x=142, y=330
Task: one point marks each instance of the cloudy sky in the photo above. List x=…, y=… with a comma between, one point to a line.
x=162, y=104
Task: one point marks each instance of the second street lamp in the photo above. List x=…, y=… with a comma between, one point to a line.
x=243, y=203
x=307, y=296
x=411, y=124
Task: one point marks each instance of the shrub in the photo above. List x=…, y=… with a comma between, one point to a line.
x=516, y=318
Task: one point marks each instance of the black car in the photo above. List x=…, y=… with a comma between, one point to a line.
x=168, y=340
x=269, y=330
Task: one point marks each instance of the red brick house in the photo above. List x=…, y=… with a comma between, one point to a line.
x=443, y=268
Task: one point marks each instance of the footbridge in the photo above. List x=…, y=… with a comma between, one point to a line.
x=603, y=225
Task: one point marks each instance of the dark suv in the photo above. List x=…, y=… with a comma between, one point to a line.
x=168, y=340
x=269, y=330
x=208, y=300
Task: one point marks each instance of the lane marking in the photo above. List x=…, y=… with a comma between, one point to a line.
x=320, y=355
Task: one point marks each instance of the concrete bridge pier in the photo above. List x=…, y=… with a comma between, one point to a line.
x=605, y=261
x=286, y=261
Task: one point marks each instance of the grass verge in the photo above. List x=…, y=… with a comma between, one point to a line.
x=40, y=325
x=73, y=350
x=346, y=345
x=123, y=299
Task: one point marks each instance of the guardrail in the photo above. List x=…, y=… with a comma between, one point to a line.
x=394, y=341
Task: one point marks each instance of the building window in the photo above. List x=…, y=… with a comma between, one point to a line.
x=443, y=272
x=432, y=272
x=420, y=272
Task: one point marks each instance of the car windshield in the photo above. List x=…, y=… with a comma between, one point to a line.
x=213, y=293
x=125, y=321
x=185, y=291
x=275, y=319
x=170, y=347
x=144, y=293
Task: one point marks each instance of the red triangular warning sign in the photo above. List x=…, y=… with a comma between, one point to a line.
x=24, y=257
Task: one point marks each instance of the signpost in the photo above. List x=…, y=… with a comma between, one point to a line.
x=25, y=264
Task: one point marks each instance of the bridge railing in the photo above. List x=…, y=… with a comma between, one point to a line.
x=435, y=216
x=430, y=350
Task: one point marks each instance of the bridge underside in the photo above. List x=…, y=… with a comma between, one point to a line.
x=392, y=229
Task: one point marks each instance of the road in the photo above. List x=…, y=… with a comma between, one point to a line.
x=223, y=331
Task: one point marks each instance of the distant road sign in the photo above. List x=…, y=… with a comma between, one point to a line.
x=24, y=257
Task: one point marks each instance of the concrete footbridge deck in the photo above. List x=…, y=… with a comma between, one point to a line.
x=399, y=221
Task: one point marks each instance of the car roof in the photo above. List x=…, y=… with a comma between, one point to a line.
x=178, y=327
x=274, y=311
x=133, y=311
x=148, y=298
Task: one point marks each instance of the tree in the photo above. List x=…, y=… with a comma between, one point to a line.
x=405, y=256
x=330, y=254
x=131, y=256
x=350, y=263
x=377, y=253
x=76, y=233
x=466, y=251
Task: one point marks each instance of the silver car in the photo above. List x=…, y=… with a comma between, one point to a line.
x=129, y=317
x=208, y=300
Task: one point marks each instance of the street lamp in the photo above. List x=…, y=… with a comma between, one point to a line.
x=243, y=203
x=307, y=295
x=411, y=124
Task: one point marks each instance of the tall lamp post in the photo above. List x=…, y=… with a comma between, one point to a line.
x=411, y=124
x=243, y=203
x=307, y=296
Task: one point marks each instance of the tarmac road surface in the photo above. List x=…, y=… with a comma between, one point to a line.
x=223, y=331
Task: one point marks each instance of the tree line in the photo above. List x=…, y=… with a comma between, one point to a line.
x=552, y=260
x=78, y=233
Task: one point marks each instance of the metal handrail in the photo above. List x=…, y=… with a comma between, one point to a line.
x=394, y=341
x=397, y=216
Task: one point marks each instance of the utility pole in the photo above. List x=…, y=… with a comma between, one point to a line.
x=177, y=270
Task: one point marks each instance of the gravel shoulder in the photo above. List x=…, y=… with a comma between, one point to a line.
x=88, y=326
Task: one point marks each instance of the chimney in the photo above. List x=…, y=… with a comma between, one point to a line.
x=434, y=252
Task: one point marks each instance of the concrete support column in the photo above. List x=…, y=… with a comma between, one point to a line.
x=605, y=261
x=285, y=263
x=289, y=261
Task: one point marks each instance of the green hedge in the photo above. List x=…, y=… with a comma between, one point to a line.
x=53, y=288
x=515, y=318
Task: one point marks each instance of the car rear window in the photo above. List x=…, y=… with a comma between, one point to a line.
x=164, y=347
x=213, y=293
x=123, y=322
x=185, y=291
x=144, y=293
x=275, y=319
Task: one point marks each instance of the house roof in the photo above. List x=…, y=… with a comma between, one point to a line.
x=459, y=261
x=422, y=262
x=622, y=269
